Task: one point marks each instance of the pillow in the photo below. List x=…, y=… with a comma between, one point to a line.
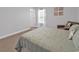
x=67, y=26
x=71, y=34
x=72, y=31
x=74, y=27
x=76, y=39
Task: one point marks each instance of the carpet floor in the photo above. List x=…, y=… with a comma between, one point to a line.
x=8, y=44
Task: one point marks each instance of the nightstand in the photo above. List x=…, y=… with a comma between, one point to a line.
x=62, y=27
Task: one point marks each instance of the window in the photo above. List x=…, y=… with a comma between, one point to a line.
x=32, y=13
x=32, y=17
x=41, y=17
x=58, y=11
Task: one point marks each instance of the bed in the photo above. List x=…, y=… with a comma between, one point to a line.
x=46, y=39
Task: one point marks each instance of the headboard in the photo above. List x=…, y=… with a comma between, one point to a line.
x=72, y=23
x=69, y=24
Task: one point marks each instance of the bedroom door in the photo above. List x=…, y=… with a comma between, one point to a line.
x=41, y=17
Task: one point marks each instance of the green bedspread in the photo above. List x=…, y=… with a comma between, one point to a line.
x=48, y=38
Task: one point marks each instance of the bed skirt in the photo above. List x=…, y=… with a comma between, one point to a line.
x=24, y=44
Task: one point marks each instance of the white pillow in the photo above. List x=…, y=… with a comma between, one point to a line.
x=76, y=39
x=74, y=27
x=71, y=34
x=72, y=31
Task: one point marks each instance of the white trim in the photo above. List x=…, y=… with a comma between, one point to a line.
x=7, y=35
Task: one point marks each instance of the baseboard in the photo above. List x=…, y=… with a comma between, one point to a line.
x=14, y=33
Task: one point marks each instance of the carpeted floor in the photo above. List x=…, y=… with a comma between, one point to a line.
x=8, y=44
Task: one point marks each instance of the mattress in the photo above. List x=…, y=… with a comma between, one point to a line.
x=55, y=40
